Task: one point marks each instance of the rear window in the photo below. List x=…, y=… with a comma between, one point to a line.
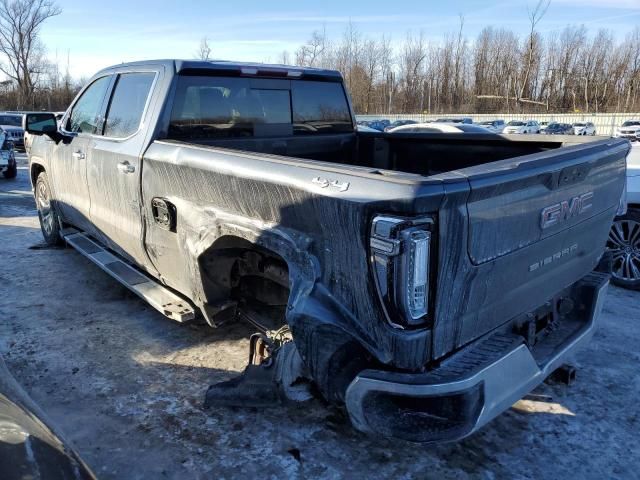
x=515, y=123
x=232, y=107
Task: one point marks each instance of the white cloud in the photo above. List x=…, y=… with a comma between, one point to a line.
x=618, y=4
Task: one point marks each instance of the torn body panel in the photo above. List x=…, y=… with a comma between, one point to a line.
x=321, y=235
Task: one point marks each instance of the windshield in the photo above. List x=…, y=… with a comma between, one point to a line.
x=228, y=107
x=579, y=124
x=515, y=123
x=13, y=120
x=554, y=125
x=631, y=123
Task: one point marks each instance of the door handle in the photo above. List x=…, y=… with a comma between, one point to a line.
x=79, y=155
x=126, y=167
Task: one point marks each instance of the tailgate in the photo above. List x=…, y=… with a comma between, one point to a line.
x=531, y=227
x=541, y=196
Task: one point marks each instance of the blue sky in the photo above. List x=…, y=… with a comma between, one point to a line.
x=98, y=35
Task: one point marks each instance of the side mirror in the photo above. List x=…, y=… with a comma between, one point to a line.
x=40, y=123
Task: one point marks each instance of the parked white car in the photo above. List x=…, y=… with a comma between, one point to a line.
x=544, y=125
x=518, y=126
x=628, y=130
x=495, y=126
x=584, y=128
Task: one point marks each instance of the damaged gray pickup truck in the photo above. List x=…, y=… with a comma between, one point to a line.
x=425, y=281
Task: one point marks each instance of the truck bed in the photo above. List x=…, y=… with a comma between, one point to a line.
x=415, y=153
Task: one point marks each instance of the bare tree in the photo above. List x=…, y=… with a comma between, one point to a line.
x=284, y=58
x=20, y=23
x=308, y=55
x=535, y=16
x=412, y=66
x=204, y=50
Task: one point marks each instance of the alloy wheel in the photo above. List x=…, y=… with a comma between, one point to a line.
x=624, y=244
x=44, y=208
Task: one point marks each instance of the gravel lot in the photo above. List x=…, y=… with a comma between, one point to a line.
x=125, y=386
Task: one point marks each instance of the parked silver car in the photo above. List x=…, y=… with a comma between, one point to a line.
x=628, y=130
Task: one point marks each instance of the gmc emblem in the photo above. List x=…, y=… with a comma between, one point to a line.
x=563, y=211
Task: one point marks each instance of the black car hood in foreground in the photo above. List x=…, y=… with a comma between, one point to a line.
x=29, y=447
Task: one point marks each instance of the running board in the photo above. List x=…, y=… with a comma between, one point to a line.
x=156, y=295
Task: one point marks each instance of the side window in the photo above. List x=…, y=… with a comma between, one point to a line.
x=84, y=115
x=320, y=107
x=127, y=104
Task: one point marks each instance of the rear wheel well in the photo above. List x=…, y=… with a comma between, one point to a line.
x=237, y=273
x=36, y=169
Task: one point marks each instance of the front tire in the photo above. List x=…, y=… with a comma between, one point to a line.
x=624, y=246
x=49, y=219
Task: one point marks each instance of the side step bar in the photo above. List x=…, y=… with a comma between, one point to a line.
x=158, y=296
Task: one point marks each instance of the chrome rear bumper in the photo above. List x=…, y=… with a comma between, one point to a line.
x=474, y=385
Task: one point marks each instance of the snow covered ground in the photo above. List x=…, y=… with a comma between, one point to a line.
x=126, y=385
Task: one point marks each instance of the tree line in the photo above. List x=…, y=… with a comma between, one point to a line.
x=572, y=70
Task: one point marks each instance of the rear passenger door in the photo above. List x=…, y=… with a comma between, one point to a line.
x=114, y=170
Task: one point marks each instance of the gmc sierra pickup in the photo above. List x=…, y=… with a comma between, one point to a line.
x=424, y=281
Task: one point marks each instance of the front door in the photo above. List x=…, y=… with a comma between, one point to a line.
x=114, y=170
x=70, y=156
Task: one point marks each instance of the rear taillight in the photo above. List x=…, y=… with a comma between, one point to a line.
x=414, y=276
x=400, y=252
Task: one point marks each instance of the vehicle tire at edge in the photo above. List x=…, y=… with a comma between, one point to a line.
x=49, y=219
x=624, y=246
x=11, y=172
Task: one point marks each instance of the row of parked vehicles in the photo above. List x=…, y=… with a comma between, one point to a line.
x=629, y=129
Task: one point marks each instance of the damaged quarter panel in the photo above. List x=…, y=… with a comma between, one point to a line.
x=275, y=203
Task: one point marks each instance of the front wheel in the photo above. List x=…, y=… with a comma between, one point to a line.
x=624, y=245
x=49, y=219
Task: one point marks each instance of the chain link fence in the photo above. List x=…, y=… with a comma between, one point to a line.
x=605, y=123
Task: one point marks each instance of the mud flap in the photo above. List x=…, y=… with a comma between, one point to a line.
x=279, y=378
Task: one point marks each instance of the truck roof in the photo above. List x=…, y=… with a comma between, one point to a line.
x=228, y=67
